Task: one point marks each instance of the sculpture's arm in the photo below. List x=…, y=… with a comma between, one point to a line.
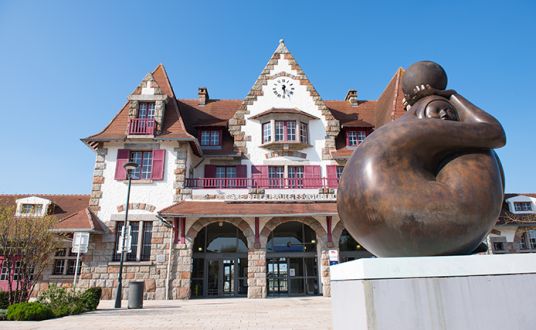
x=491, y=131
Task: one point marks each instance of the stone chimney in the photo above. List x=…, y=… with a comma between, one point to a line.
x=202, y=95
x=351, y=97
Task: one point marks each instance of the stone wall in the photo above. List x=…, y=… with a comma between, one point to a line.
x=182, y=271
x=257, y=273
x=181, y=192
x=98, y=269
x=98, y=179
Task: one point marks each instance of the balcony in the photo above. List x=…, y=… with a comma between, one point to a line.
x=269, y=183
x=141, y=126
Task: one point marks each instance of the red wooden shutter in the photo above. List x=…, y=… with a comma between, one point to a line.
x=242, y=173
x=122, y=158
x=210, y=171
x=312, y=176
x=332, y=176
x=159, y=156
x=259, y=174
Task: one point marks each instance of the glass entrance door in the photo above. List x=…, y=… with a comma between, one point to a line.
x=292, y=276
x=277, y=276
x=219, y=276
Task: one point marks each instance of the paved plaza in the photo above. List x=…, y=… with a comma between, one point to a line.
x=231, y=313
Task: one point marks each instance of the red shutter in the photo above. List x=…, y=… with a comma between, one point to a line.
x=332, y=176
x=312, y=176
x=159, y=157
x=122, y=159
x=242, y=174
x=241, y=171
x=210, y=171
x=259, y=174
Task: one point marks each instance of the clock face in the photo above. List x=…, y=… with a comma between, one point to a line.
x=283, y=88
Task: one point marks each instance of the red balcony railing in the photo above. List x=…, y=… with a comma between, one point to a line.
x=141, y=126
x=271, y=183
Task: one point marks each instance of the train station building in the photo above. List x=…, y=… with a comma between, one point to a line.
x=247, y=189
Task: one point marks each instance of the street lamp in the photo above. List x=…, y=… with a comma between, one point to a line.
x=129, y=167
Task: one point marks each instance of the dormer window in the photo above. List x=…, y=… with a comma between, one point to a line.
x=32, y=206
x=355, y=137
x=211, y=138
x=31, y=209
x=146, y=110
x=522, y=206
x=144, y=123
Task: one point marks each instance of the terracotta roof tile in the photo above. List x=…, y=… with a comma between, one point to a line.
x=172, y=128
x=72, y=210
x=390, y=103
x=226, y=209
x=344, y=112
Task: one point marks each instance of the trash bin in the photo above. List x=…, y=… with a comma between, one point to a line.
x=135, y=294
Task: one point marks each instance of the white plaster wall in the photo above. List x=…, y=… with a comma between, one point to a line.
x=300, y=100
x=506, y=231
x=114, y=192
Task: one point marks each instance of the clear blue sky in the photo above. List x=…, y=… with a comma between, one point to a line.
x=68, y=66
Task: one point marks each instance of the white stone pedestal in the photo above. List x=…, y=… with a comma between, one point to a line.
x=463, y=292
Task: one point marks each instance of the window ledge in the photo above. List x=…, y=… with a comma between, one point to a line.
x=293, y=145
x=145, y=181
x=131, y=263
x=140, y=136
x=61, y=277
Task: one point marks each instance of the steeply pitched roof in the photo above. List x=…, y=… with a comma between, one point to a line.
x=390, y=105
x=172, y=128
x=71, y=210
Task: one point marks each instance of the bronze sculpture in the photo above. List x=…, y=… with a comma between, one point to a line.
x=428, y=183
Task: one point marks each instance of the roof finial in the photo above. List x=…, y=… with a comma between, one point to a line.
x=281, y=41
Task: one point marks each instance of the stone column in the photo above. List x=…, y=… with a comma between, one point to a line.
x=183, y=274
x=257, y=273
x=324, y=271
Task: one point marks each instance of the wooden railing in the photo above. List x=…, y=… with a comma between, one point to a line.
x=271, y=183
x=141, y=126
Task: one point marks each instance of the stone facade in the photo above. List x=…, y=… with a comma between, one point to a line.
x=98, y=179
x=257, y=273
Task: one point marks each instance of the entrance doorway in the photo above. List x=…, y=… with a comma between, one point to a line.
x=292, y=262
x=219, y=262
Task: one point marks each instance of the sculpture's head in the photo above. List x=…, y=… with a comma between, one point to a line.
x=435, y=107
x=422, y=79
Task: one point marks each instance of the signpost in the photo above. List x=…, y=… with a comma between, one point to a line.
x=128, y=241
x=333, y=257
x=80, y=245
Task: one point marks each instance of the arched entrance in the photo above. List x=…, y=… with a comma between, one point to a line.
x=350, y=249
x=292, y=260
x=219, y=262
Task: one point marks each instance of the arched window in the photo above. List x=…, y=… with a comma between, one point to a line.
x=220, y=237
x=292, y=237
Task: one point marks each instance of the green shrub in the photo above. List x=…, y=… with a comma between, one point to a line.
x=91, y=298
x=62, y=302
x=29, y=311
x=4, y=299
x=3, y=314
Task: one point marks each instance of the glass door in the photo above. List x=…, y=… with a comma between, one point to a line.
x=213, y=278
x=228, y=277
x=277, y=276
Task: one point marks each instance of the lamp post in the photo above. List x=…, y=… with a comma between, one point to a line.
x=129, y=167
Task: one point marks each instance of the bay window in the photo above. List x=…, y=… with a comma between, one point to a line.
x=266, y=132
x=304, y=133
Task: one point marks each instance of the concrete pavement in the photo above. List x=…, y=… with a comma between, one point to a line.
x=230, y=313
